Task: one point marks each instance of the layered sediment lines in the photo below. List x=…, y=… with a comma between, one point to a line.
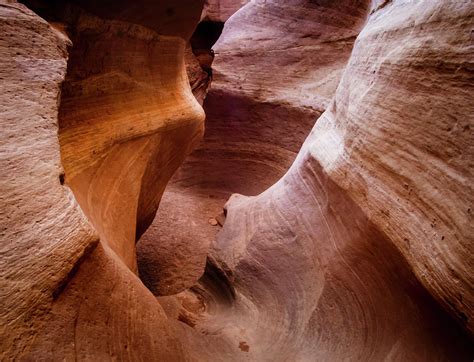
x=44, y=232
x=276, y=67
x=221, y=10
x=126, y=123
x=356, y=245
x=363, y=250
x=405, y=154
x=127, y=118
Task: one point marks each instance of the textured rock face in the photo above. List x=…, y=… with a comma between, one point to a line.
x=44, y=232
x=360, y=250
x=126, y=123
x=127, y=118
x=276, y=61
x=407, y=153
x=271, y=80
x=370, y=226
x=221, y=10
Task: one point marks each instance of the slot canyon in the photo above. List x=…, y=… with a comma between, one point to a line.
x=237, y=180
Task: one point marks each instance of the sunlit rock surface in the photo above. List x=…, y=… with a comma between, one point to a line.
x=346, y=124
x=126, y=120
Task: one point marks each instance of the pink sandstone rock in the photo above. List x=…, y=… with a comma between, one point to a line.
x=354, y=239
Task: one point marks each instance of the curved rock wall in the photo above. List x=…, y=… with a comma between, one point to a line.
x=405, y=155
x=44, y=232
x=221, y=10
x=127, y=118
x=275, y=62
x=349, y=254
x=362, y=250
x=276, y=66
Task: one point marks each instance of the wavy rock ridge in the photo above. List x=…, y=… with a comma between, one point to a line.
x=126, y=120
x=357, y=246
x=258, y=115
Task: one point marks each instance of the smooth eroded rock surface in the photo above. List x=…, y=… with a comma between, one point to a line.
x=44, y=232
x=346, y=124
x=123, y=122
x=276, y=66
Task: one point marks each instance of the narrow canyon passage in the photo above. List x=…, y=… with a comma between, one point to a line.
x=237, y=180
x=254, y=128
x=248, y=145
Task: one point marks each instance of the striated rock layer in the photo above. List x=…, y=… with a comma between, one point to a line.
x=363, y=250
x=360, y=250
x=44, y=232
x=276, y=66
x=407, y=158
x=221, y=10
x=126, y=123
x=127, y=118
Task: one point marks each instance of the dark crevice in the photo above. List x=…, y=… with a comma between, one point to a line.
x=217, y=281
x=206, y=34
x=203, y=39
x=63, y=283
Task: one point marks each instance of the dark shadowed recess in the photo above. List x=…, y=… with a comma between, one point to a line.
x=165, y=17
x=204, y=37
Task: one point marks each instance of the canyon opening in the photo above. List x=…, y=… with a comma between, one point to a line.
x=237, y=180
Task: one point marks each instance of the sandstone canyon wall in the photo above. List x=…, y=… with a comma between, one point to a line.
x=354, y=239
x=44, y=232
x=332, y=239
x=276, y=67
x=125, y=120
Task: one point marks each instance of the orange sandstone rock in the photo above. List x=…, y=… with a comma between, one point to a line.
x=355, y=246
